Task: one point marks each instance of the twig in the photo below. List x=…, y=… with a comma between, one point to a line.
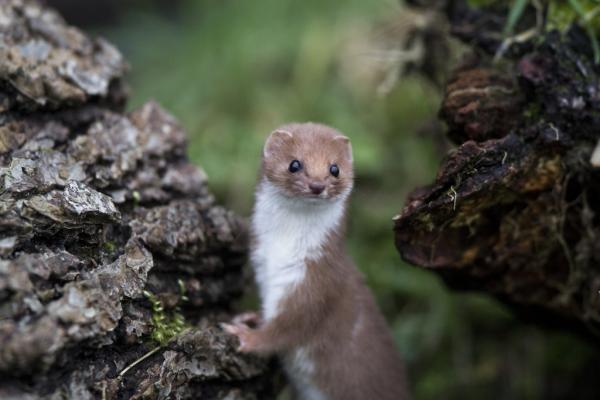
x=555, y=130
x=453, y=196
x=139, y=360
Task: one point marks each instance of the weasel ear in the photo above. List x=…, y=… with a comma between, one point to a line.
x=275, y=140
x=347, y=144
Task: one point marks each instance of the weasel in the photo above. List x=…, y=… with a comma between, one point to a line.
x=318, y=315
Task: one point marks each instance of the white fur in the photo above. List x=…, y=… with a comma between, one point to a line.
x=300, y=368
x=288, y=232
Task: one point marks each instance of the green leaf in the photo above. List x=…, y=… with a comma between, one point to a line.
x=516, y=11
x=577, y=7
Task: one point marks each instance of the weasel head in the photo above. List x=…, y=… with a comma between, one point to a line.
x=309, y=161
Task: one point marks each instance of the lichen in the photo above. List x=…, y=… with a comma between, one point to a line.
x=96, y=206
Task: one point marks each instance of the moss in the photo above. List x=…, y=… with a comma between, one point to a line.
x=136, y=197
x=427, y=221
x=533, y=111
x=110, y=246
x=166, y=325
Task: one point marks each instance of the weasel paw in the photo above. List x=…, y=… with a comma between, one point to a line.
x=245, y=335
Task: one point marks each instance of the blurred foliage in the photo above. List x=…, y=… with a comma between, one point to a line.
x=231, y=71
x=559, y=14
x=585, y=12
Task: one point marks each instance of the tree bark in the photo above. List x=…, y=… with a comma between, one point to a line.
x=116, y=264
x=515, y=209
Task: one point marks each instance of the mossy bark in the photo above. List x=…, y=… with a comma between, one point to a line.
x=515, y=209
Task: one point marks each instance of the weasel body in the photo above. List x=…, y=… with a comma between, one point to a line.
x=317, y=313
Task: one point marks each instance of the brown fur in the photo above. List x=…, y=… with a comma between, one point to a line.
x=317, y=147
x=331, y=313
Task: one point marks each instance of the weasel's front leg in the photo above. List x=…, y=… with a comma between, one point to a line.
x=250, y=341
x=263, y=339
x=244, y=326
x=279, y=334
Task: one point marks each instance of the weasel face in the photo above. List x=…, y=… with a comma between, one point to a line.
x=309, y=161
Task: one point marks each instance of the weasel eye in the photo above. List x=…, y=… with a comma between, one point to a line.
x=295, y=166
x=334, y=170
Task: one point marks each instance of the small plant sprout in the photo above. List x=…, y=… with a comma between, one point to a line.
x=453, y=196
x=166, y=325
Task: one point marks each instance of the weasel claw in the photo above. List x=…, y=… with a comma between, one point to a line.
x=251, y=319
x=243, y=334
x=230, y=328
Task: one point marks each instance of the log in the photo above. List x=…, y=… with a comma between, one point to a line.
x=116, y=264
x=515, y=209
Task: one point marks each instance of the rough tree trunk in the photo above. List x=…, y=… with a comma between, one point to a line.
x=110, y=242
x=515, y=209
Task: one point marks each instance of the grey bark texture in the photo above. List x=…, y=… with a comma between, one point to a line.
x=115, y=262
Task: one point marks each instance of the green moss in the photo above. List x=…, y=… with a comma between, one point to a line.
x=136, y=197
x=166, y=324
x=533, y=111
x=110, y=246
x=427, y=221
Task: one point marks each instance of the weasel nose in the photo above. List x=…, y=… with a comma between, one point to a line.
x=316, y=188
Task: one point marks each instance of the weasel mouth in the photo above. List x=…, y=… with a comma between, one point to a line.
x=314, y=198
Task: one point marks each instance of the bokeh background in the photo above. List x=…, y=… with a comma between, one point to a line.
x=232, y=70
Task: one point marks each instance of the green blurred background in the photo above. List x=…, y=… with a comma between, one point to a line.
x=231, y=71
